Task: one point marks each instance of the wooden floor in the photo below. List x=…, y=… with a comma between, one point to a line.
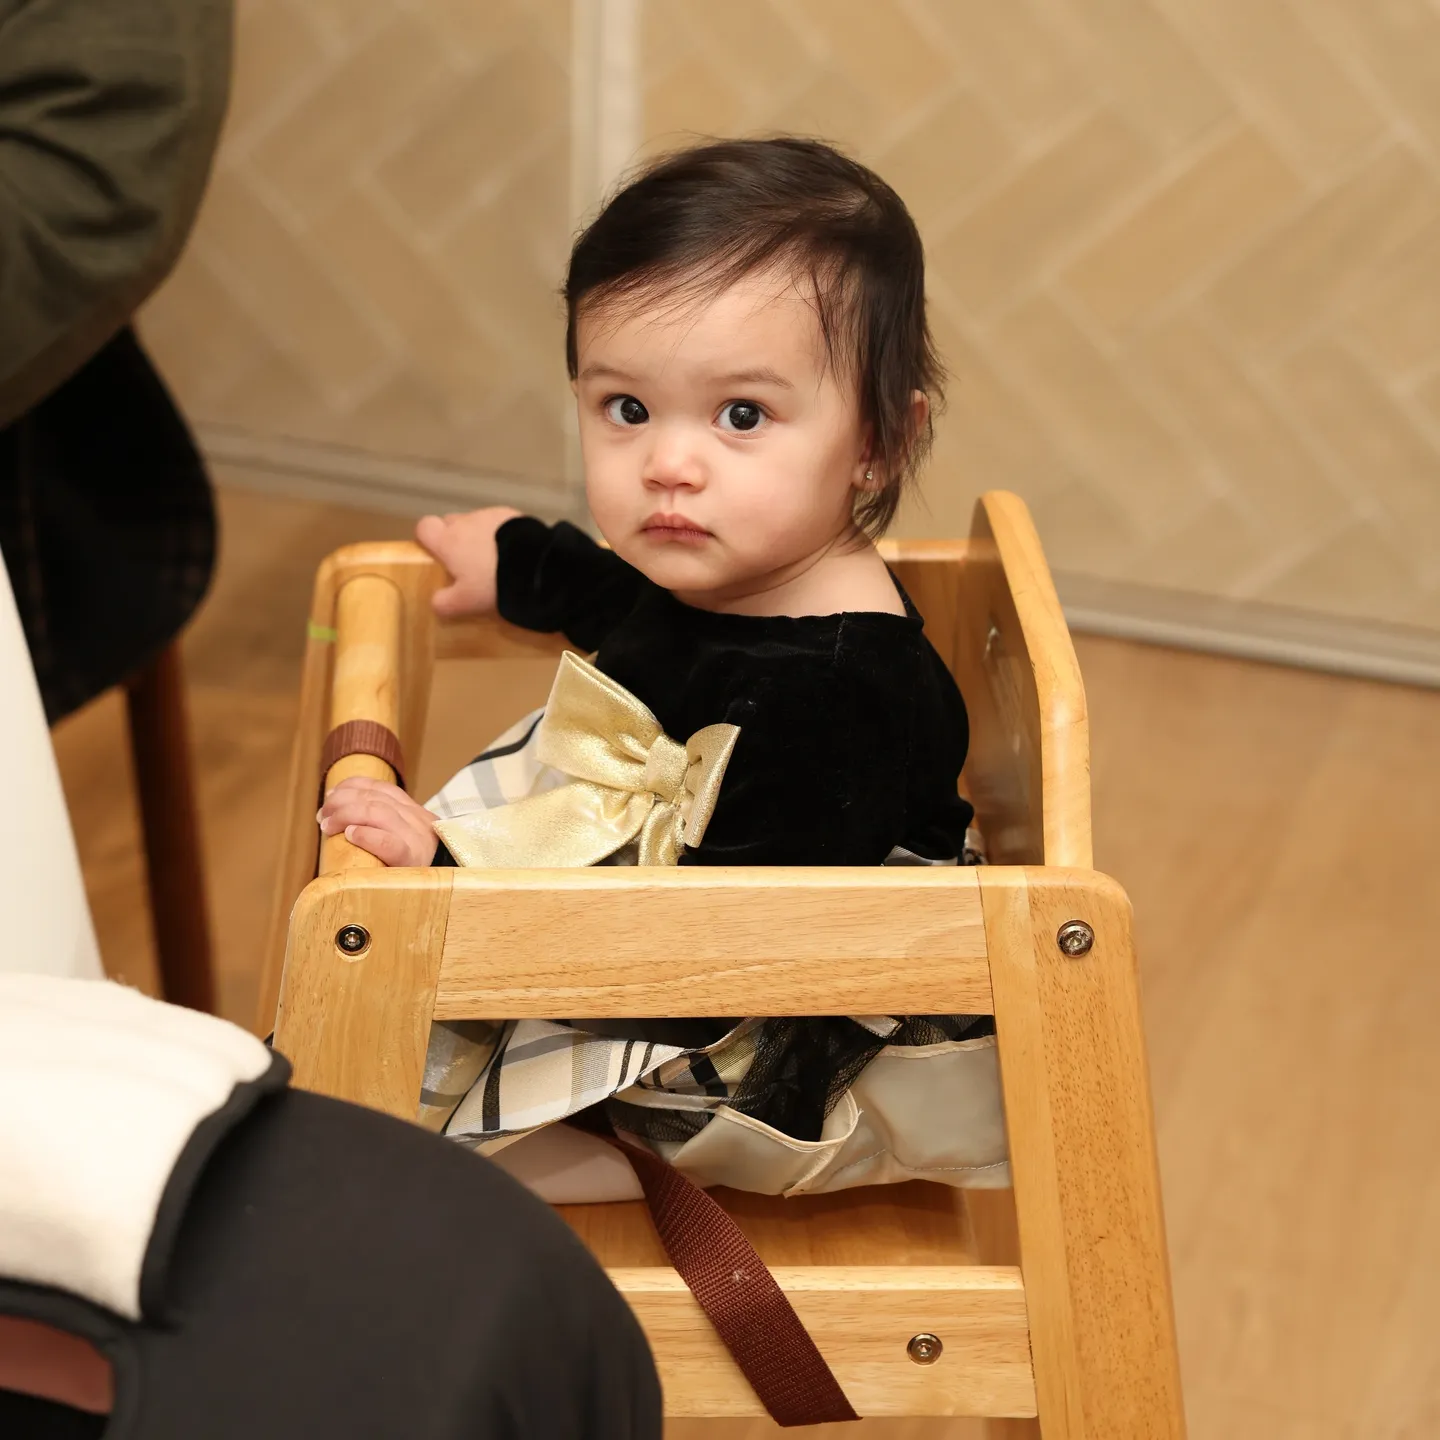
x=1279, y=833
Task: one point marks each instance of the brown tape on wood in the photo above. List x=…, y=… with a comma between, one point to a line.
x=362, y=737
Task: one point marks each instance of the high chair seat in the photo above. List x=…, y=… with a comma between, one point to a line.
x=1047, y=1308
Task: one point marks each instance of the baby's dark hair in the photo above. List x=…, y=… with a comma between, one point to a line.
x=703, y=218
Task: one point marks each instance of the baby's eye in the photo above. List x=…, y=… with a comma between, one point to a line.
x=626, y=410
x=741, y=415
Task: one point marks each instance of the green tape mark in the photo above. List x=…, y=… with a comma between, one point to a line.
x=327, y=633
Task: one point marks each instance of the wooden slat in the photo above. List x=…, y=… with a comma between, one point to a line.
x=991, y=611
x=1082, y=1153
x=995, y=1239
x=722, y=941
x=364, y=685
x=417, y=575
x=932, y=573
x=1028, y=770
x=862, y=1319
x=923, y=555
x=915, y=1223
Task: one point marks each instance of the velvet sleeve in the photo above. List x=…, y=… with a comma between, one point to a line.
x=817, y=777
x=555, y=577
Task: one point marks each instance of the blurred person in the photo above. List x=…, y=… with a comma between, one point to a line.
x=109, y=115
x=189, y=1247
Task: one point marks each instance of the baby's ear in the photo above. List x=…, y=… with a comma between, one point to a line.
x=867, y=469
x=919, y=413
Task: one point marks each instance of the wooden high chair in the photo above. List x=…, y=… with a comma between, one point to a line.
x=1053, y=1310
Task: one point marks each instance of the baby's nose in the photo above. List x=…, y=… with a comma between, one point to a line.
x=673, y=464
x=675, y=480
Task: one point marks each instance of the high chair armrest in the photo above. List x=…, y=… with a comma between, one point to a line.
x=372, y=642
x=417, y=575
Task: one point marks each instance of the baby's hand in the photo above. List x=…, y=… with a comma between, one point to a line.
x=465, y=546
x=380, y=818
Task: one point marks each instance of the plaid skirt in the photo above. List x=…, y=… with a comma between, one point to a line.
x=779, y=1105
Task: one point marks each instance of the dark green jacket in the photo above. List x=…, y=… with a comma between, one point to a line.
x=109, y=114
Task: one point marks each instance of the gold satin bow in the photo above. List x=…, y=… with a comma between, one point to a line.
x=629, y=780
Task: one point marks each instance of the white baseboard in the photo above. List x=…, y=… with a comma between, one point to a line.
x=336, y=475
x=1246, y=629
x=1251, y=630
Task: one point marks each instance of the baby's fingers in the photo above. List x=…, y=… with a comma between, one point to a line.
x=444, y=539
x=392, y=849
x=357, y=808
x=456, y=600
x=364, y=784
x=431, y=531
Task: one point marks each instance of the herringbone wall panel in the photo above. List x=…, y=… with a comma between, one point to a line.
x=377, y=262
x=1185, y=254
x=1184, y=263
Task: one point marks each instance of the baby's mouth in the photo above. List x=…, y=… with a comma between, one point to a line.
x=674, y=527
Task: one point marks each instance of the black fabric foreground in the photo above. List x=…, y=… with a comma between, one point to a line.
x=338, y=1273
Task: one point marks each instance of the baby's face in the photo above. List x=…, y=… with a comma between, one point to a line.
x=721, y=450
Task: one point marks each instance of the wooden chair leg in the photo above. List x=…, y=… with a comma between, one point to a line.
x=997, y=1242
x=160, y=745
x=1082, y=1153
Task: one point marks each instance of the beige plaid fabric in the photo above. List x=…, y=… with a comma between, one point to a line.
x=507, y=771
x=488, y=1083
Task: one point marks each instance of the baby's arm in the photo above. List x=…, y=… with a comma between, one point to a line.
x=382, y=819
x=466, y=546
x=539, y=576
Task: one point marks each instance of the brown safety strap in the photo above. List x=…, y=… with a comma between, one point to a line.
x=362, y=737
x=749, y=1311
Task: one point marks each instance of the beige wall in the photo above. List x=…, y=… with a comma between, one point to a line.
x=377, y=261
x=1185, y=254
x=1184, y=263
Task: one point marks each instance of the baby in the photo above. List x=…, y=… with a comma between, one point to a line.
x=754, y=377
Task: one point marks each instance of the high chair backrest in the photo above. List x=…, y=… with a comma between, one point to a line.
x=1082, y=1330
x=991, y=611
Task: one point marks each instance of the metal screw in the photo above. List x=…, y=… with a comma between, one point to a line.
x=1075, y=938
x=925, y=1349
x=352, y=939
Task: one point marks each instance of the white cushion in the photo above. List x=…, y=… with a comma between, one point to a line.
x=100, y=1089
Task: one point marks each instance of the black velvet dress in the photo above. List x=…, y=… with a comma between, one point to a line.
x=852, y=731
x=852, y=736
